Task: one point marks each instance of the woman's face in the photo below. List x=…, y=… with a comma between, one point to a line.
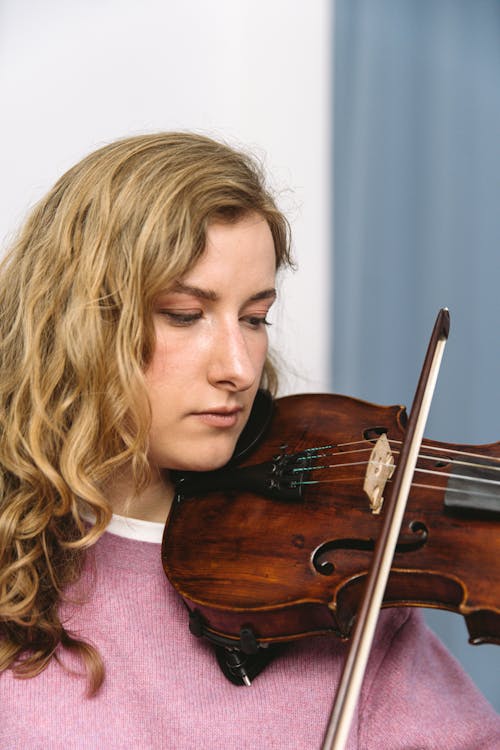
x=211, y=345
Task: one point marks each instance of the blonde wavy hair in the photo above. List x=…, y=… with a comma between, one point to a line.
x=76, y=333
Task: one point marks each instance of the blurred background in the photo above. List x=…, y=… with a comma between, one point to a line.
x=379, y=124
x=416, y=222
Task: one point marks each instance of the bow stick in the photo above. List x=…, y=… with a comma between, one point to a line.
x=366, y=620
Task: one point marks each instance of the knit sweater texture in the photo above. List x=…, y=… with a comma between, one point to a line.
x=164, y=689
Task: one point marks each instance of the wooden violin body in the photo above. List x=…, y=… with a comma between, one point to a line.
x=278, y=546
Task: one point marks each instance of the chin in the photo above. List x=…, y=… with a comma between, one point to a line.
x=209, y=464
x=205, y=460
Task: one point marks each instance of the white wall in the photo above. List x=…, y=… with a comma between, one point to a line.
x=75, y=74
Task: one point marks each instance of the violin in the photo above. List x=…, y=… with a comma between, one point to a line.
x=281, y=539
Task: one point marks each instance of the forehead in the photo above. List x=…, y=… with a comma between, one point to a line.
x=241, y=248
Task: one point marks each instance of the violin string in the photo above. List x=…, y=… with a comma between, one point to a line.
x=314, y=467
x=492, y=460
x=455, y=451
x=413, y=484
x=448, y=475
x=454, y=489
x=478, y=480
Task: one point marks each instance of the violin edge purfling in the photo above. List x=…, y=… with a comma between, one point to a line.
x=251, y=562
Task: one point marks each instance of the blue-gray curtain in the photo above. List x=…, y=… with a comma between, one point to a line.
x=417, y=222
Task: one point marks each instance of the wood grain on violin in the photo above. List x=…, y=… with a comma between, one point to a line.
x=281, y=543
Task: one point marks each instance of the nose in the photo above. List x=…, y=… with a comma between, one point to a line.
x=233, y=361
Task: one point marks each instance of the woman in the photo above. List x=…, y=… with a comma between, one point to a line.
x=133, y=340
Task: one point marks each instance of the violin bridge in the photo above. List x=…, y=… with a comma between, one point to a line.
x=379, y=470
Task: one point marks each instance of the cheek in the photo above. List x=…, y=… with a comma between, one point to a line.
x=170, y=360
x=156, y=370
x=260, y=352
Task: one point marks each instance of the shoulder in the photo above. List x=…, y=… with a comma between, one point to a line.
x=416, y=690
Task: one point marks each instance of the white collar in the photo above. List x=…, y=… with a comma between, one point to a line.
x=136, y=528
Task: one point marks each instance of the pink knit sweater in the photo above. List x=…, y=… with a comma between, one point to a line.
x=164, y=689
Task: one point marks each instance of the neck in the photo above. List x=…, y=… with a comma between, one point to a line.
x=151, y=504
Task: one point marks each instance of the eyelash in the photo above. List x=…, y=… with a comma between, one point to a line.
x=185, y=319
x=256, y=322
x=181, y=319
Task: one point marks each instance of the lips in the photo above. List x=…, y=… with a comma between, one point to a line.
x=219, y=417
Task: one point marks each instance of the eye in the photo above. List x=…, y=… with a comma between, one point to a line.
x=181, y=318
x=256, y=321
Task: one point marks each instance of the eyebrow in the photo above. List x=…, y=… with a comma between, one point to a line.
x=209, y=294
